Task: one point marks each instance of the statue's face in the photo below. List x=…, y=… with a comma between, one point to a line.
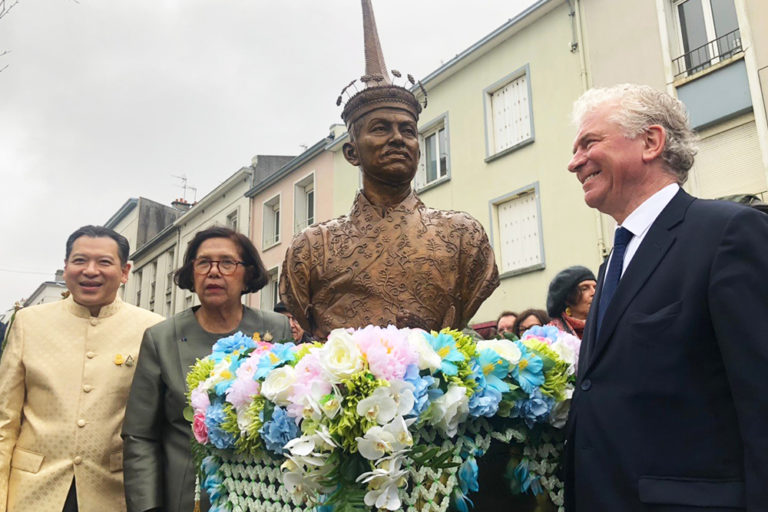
x=386, y=147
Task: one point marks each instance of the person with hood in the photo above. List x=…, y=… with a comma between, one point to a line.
x=569, y=299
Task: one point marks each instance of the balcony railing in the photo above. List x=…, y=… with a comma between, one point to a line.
x=708, y=54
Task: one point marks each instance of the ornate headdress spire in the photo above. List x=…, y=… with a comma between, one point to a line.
x=379, y=91
x=375, y=68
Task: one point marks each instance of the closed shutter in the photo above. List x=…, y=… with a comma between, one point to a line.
x=511, y=119
x=728, y=163
x=519, y=233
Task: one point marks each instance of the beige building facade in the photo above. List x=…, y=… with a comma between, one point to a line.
x=284, y=203
x=155, y=262
x=712, y=55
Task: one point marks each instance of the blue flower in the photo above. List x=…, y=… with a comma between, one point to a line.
x=421, y=387
x=235, y=344
x=221, y=387
x=494, y=368
x=278, y=355
x=215, y=415
x=523, y=479
x=445, y=346
x=534, y=410
x=529, y=371
x=211, y=481
x=280, y=429
x=467, y=476
x=484, y=403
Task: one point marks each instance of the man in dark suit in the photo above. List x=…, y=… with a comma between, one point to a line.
x=671, y=407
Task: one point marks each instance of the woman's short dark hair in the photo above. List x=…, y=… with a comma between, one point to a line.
x=255, y=273
x=540, y=314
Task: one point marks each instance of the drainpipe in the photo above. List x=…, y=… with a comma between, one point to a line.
x=577, y=45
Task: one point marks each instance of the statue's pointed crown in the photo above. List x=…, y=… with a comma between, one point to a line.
x=379, y=91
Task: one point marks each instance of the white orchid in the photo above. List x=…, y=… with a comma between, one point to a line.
x=399, y=430
x=402, y=393
x=384, y=482
x=330, y=405
x=380, y=406
x=376, y=443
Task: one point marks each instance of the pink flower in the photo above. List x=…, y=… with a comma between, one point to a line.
x=245, y=387
x=310, y=381
x=387, y=351
x=199, y=429
x=199, y=400
x=241, y=392
x=263, y=346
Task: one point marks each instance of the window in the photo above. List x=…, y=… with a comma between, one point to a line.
x=271, y=220
x=434, y=164
x=152, y=285
x=138, y=288
x=304, y=202
x=169, y=272
x=232, y=221
x=270, y=294
x=508, y=114
x=708, y=32
x=517, y=216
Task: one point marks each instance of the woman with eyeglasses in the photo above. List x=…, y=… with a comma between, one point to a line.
x=220, y=265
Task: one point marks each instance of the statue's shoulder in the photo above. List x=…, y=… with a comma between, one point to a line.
x=315, y=234
x=332, y=225
x=450, y=216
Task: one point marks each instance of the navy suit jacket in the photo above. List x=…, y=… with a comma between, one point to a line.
x=670, y=412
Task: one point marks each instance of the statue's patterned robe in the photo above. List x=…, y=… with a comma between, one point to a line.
x=413, y=266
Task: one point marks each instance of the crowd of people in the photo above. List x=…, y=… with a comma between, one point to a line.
x=569, y=298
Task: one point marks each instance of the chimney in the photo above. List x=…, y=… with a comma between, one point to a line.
x=181, y=204
x=59, y=277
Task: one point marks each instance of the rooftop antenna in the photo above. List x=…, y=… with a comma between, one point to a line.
x=186, y=187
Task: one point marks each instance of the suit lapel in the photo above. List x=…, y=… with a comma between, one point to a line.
x=654, y=246
x=590, y=329
x=189, y=343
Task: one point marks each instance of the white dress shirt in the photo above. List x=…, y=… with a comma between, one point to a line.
x=639, y=221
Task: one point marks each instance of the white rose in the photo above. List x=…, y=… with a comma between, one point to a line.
x=340, y=356
x=450, y=409
x=507, y=349
x=428, y=358
x=278, y=385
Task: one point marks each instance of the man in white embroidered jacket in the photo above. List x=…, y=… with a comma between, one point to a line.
x=64, y=380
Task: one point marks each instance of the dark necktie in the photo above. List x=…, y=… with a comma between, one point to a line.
x=621, y=238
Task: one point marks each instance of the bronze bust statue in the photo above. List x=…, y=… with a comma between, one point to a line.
x=391, y=260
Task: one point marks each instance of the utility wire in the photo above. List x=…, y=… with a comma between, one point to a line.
x=23, y=271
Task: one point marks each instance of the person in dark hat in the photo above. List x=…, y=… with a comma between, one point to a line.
x=299, y=334
x=569, y=298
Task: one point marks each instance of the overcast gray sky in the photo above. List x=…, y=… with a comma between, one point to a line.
x=106, y=100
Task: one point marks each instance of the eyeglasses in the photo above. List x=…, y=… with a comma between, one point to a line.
x=226, y=267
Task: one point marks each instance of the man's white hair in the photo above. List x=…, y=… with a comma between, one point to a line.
x=641, y=106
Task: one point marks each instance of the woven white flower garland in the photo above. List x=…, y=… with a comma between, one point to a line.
x=253, y=482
